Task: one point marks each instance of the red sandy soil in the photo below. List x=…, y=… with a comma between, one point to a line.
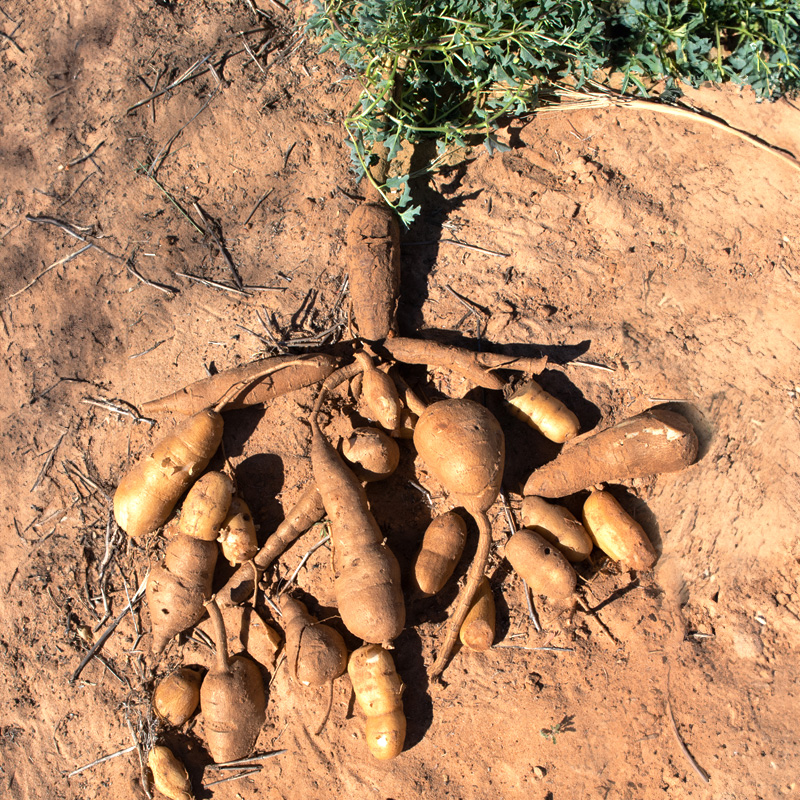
x=659, y=248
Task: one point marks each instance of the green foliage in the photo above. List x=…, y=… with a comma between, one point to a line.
x=451, y=70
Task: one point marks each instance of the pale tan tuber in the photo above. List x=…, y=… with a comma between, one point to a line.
x=478, y=629
x=315, y=652
x=545, y=413
x=648, y=444
x=205, y=506
x=147, y=494
x=169, y=775
x=232, y=700
x=237, y=537
x=558, y=525
x=379, y=692
x=372, y=454
x=541, y=565
x=616, y=533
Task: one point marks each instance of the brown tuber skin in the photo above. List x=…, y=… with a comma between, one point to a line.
x=380, y=394
x=616, y=533
x=316, y=653
x=541, y=565
x=372, y=454
x=178, y=587
x=205, y=506
x=237, y=537
x=247, y=633
x=463, y=447
x=558, y=526
x=147, y=494
x=176, y=697
x=232, y=700
x=290, y=373
x=307, y=511
x=366, y=573
x=442, y=546
x=545, y=413
x=478, y=629
x=648, y=444
x=372, y=257
x=379, y=691
x=169, y=775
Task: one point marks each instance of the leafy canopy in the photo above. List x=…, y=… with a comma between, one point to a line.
x=452, y=69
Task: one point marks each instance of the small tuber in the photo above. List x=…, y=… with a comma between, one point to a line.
x=370, y=453
x=177, y=696
x=169, y=774
x=316, y=653
x=541, y=565
x=558, y=525
x=616, y=533
x=545, y=413
x=237, y=537
x=205, y=506
x=478, y=629
x=442, y=546
x=379, y=691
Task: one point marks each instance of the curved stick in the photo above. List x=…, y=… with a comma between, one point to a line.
x=476, y=572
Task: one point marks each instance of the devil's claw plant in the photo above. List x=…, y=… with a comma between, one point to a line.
x=451, y=70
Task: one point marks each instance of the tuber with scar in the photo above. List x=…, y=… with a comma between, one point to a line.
x=650, y=443
x=541, y=565
x=558, y=525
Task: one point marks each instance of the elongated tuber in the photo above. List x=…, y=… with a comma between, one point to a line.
x=147, y=494
x=366, y=573
x=291, y=372
x=372, y=257
x=476, y=367
x=541, y=565
x=379, y=692
x=478, y=629
x=558, y=525
x=232, y=700
x=545, y=413
x=177, y=696
x=616, y=533
x=316, y=653
x=442, y=546
x=648, y=444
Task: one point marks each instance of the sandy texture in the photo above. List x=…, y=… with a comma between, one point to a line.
x=661, y=249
